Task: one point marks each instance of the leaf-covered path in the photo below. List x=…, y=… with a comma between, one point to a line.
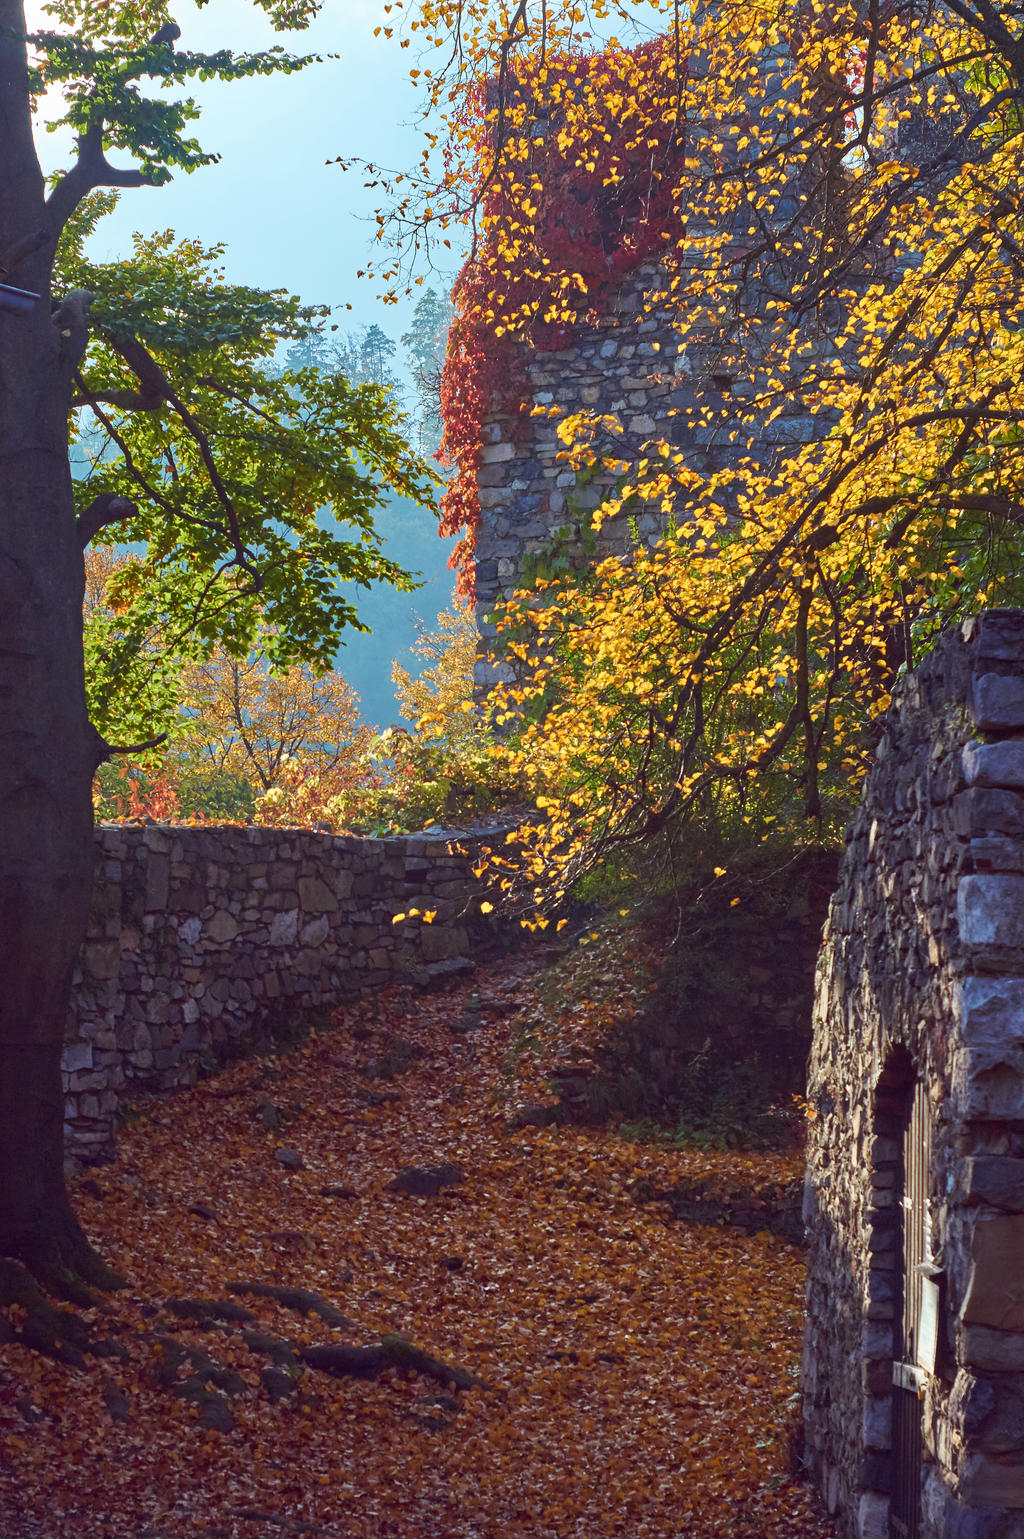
x=636, y=1374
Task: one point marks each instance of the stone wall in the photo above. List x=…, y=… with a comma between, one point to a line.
x=203, y=941
x=921, y=980
x=627, y=364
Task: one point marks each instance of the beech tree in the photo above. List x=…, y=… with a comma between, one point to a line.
x=218, y=553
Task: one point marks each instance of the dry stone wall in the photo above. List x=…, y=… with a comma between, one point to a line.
x=628, y=364
x=921, y=982
x=203, y=941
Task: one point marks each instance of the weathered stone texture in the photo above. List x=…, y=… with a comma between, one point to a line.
x=626, y=363
x=923, y=965
x=202, y=940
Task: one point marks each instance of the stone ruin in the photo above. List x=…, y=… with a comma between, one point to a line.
x=627, y=363
x=914, y=1360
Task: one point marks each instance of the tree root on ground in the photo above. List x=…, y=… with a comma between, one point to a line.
x=299, y=1299
x=56, y=1333
x=393, y=1352
x=203, y=1311
x=190, y=1373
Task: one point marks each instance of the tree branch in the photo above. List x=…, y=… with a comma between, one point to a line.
x=106, y=509
x=71, y=320
x=90, y=170
x=125, y=400
x=153, y=380
x=109, y=750
x=16, y=254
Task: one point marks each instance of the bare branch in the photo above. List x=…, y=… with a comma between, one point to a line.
x=151, y=376
x=125, y=400
x=108, y=750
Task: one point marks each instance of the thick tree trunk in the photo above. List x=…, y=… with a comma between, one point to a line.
x=47, y=759
x=48, y=751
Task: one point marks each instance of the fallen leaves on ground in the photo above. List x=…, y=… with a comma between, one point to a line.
x=542, y=1354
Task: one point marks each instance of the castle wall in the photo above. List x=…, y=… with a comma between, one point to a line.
x=628, y=364
x=921, y=980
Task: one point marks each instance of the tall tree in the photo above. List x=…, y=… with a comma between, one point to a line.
x=426, y=343
x=363, y=357
x=300, y=454
x=49, y=749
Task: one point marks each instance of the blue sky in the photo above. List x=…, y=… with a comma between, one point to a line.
x=289, y=219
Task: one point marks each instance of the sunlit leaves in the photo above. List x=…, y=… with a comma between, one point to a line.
x=836, y=206
x=301, y=460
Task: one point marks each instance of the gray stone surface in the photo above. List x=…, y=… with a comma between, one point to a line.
x=998, y=703
x=995, y=764
x=922, y=975
x=203, y=941
x=624, y=362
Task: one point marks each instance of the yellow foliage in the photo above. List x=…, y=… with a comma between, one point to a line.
x=738, y=664
x=440, y=697
x=245, y=718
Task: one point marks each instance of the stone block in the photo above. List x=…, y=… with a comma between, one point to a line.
x=157, y=1007
x=497, y=454
x=989, y=1481
x=995, y=1289
x=102, y=959
x=989, y=810
x=285, y=927
x=996, y=852
x=76, y=1055
x=990, y=909
x=994, y=1179
x=872, y=1516
x=998, y=702
x=876, y=1421
x=221, y=927
x=315, y=933
x=308, y=963
x=988, y=1070
x=158, y=881
x=998, y=634
x=995, y=764
x=315, y=896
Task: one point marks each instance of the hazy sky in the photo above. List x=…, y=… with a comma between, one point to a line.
x=289, y=219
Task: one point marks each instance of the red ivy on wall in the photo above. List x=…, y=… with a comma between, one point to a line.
x=577, y=201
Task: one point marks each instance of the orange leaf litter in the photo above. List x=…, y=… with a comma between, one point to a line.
x=639, y=1372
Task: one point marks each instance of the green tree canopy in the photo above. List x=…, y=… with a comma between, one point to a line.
x=203, y=451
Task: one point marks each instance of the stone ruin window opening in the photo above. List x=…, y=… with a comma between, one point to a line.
x=916, y=1325
x=905, y=1282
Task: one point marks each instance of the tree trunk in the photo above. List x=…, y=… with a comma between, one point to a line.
x=48, y=750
